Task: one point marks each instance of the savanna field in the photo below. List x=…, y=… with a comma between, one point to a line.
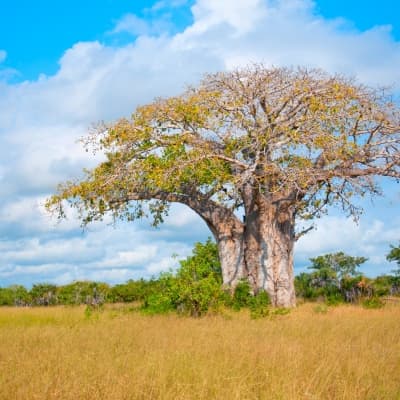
x=315, y=352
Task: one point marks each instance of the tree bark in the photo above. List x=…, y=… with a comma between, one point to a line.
x=231, y=253
x=228, y=233
x=277, y=238
x=269, y=239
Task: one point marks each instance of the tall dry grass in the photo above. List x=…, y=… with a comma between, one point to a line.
x=58, y=353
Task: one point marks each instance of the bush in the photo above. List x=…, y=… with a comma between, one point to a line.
x=197, y=287
x=259, y=305
x=194, y=289
x=83, y=292
x=43, y=294
x=242, y=296
x=132, y=291
x=15, y=295
x=158, y=303
x=334, y=299
x=373, y=302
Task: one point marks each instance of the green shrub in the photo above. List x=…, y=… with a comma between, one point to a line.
x=242, y=296
x=83, y=292
x=158, y=303
x=194, y=289
x=259, y=305
x=14, y=295
x=373, y=302
x=382, y=285
x=197, y=287
x=132, y=291
x=334, y=299
x=44, y=294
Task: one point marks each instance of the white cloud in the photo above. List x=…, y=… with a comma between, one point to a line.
x=369, y=238
x=41, y=120
x=241, y=16
x=132, y=24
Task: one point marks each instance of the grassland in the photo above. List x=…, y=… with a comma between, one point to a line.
x=61, y=353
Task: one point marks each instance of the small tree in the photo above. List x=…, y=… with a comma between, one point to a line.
x=394, y=255
x=337, y=274
x=44, y=294
x=14, y=295
x=332, y=268
x=195, y=288
x=281, y=144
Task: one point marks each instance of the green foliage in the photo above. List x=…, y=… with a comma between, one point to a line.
x=198, y=281
x=382, y=285
x=334, y=299
x=259, y=305
x=195, y=288
x=394, y=255
x=83, y=292
x=163, y=300
x=373, y=302
x=331, y=268
x=158, y=303
x=336, y=279
x=43, y=294
x=242, y=295
x=132, y=291
x=305, y=288
x=15, y=295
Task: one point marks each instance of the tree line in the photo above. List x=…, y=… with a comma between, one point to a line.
x=195, y=287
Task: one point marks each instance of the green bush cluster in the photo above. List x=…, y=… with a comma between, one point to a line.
x=195, y=288
x=335, y=279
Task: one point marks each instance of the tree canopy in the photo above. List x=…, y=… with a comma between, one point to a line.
x=394, y=255
x=279, y=144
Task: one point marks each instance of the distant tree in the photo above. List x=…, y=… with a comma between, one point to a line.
x=281, y=144
x=337, y=274
x=394, y=255
x=14, y=295
x=335, y=267
x=83, y=292
x=43, y=294
x=6, y=298
x=132, y=290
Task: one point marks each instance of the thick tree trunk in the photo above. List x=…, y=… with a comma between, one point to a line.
x=231, y=254
x=228, y=233
x=268, y=246
x=277, y=239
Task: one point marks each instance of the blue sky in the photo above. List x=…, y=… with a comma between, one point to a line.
x=65, y=65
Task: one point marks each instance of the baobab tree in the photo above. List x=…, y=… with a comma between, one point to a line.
x=276, y=144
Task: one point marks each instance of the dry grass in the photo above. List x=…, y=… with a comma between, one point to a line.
x=58, y=353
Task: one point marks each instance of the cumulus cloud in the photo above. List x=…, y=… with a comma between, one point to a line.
x=41, y=120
